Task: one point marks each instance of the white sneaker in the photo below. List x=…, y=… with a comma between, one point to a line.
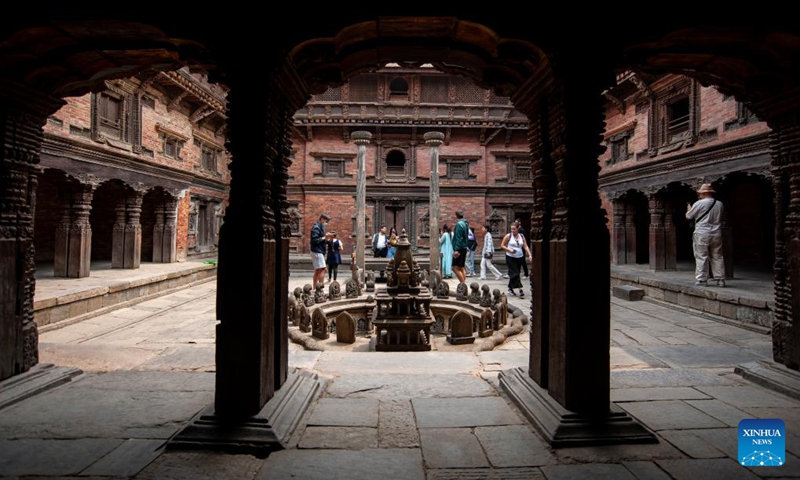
x=483, y=278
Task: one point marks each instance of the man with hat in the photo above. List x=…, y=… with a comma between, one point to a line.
x=707, y=238
x=318, y=248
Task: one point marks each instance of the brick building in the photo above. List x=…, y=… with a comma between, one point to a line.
x=134, y=173
x=484, y=162
x=665, y=136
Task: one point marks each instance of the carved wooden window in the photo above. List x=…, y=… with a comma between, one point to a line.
x=744, y=116
x=674, y=119
x=208, y=159
x=333, y=94
x=364, y=88
x=618, y=145
x=458, y=170
x=172, y=147
x=398, y=87
x=109, y=115
x=395, y=164
x=466, y=91
x=333, y=167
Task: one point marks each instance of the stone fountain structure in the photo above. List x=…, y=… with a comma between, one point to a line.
x=402, y=317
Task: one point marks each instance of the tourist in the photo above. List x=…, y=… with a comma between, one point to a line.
x=380, y=243
x=517, y=251
x=318, y=245
x=460, y=241
x=487, y=253
x=446, y=251
x=472, y=245
x=707, y=238
x=393, y=237
x=335, y=248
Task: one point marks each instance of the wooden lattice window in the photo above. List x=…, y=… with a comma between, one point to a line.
x=333, y=167
x=172, y=147
x=434, y=89
x=364, y=88
x=208, y=159
x=467, y=92
x=333, y=94
x=522, y=172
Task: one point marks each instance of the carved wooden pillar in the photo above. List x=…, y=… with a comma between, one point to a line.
x=566, y=389
x=618, y=231
x=630, y=233
x=727, y=244
x=435, y=140
x=657, y=239
x=73, y=242
x=165, y=231
x=126, y=242
x=23, y=112
x=785, y=146
x=670, y=241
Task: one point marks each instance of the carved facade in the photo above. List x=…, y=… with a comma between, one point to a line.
x=484, y=162
x=665, y=136
x=133, y=173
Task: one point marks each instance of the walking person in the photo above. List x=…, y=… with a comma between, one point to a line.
x=517, y=252
x=335, y=248
x=446, y=251
x=707, y=237
x=472, y=245
x=393, y=237
x=318, y=245
x=460, y=240
x=487, y=254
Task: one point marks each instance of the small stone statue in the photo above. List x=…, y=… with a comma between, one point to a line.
x=474, y=293
x=351, y=288
x=319, y=293
x=290, y=309
x=461, y=291
x=334, y=291
x=308, y=295
x=486, y=298
x=443, y=290
x=370, y=281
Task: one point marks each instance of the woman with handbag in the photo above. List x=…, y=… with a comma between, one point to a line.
x=487, y=254
x=517, y=251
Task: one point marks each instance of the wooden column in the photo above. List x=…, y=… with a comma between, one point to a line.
x=630, y=233
x=126, y=241
x=619, y=252
x=73, y=242
x=165, y=231
x=23, y=112
x=565, y=391
x=670, y=241
x=657, y=239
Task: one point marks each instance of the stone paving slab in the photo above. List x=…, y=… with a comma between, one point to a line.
x=397, y=427
x=709, y=356
x=194, y=358
x=614, y=453
x=202, y=466
x=128, y=459
x=723, y=412
x=666, y=377
x=347, y=438
x=646, y=471
x=656, y=393
x=670, y=415
x=513, y=446
x=790, y=416
x=369, y=464
x=522, y=473
x=692, y=445
x=633, y=357
x=749, y=396
x=706, y=469
x=303, y=359
x=34, y=456
x=582, y=472
x=409, y=386
x=463, y=412
x=451, y=448
x=95, y=358
x=429, y=363
x=348, y=412
x=497, y=360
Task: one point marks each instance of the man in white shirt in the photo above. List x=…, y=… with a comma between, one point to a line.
x=380, y=245
x=707, y=238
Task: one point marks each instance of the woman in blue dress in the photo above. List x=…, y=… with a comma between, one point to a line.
x=446, y=249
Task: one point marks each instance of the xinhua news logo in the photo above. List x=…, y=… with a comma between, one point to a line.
x=762, y=442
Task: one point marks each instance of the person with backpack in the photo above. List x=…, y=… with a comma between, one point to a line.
x=707, y=237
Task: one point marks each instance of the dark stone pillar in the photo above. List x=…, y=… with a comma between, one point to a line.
x=73, y=242
x=165, y=231
x=23, y=112
x=727, y=244
x=565, y=391
x=126, y=243
x=619, y=252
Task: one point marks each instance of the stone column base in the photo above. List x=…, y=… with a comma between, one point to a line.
x=267, y=431
x=564, y=428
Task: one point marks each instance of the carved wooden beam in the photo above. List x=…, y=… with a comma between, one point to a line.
x=176, y=101
x=616, y=101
